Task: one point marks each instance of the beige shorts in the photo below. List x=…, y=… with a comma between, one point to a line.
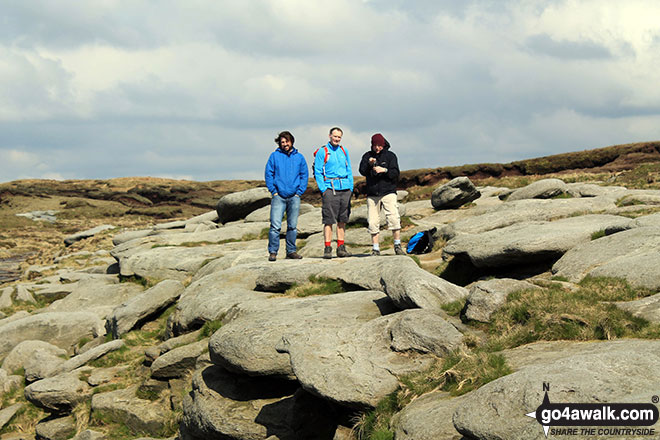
x=391, y=208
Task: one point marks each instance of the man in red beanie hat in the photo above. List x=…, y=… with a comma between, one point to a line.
x=381, y=168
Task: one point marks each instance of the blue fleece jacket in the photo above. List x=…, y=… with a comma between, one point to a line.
x=337, y=169
x=286, y=173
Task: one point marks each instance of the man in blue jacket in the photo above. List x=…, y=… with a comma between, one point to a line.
x=286, y=178
x=332, y=171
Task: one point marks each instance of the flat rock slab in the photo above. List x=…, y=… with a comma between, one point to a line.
x=224, y=405
x=169, y=262
x=399, y=277
x=227, y=233
x=519, y=211
x=247, y=344
x=58, y=328
x=96, y=296
x=138, y=414
x=647, y=308
x=69, y=240
x=531, y=242
x=624, y=372
x=358, y=365
x=632, y=255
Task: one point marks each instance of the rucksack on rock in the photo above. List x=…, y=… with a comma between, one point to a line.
x=422, y=242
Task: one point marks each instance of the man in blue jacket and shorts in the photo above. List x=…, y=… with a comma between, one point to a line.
x=286, y=178
x=332, y=171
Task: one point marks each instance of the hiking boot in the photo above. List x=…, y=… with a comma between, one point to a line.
x=375, y=253
x=272, y=256
x=327, y=252
x=398, y=250
x=342, y=252
x=293, y=256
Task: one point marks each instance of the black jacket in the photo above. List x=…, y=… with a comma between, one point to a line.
x=380, y=184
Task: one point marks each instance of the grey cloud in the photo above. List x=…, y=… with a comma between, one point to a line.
x=568, y=50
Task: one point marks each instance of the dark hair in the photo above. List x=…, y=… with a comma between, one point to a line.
x=287, y=135
x=336, y=128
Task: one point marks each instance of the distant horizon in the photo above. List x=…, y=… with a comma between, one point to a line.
x=199, y=91
x=311, y=178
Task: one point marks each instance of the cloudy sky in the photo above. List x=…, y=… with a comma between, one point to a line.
x=198, y=89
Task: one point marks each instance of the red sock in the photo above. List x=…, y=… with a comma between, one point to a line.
x=340, y=242
x=328, y=243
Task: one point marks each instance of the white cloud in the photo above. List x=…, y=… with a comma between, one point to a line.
x=200, y=88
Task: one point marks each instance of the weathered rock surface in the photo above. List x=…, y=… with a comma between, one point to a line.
x=7, y=413
x=497, y=410
x=531, y=242
x=96, y=297
x=399, y=277
x=58, y=328
x=541, y=189
x=357, y=365
x=179, y=361
x=24, y=351
x=632, y=255
x=455, y=193
x=488, y=296
x=61, y=428
x=58, y=394
x=510, y=213
x=237, y=205
x=88, y=356
x=148, y=303
x=138, y=414
x=247, y=344
x=224, y=405
x=428, y=418
x=647, y=308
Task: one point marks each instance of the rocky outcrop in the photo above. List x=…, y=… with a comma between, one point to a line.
x=58, y=394
x=248, y=343
x=541, y=189
x=151, y=301
x=531, y=242
x=58, y=328
x=358, y=365
x=454, y=194
x=488, y=296
x=497, y=410
x=237, y=205
x=632, y=255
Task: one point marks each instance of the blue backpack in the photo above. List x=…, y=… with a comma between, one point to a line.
x=422, y=242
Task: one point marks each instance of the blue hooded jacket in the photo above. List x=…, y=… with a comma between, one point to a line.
x=337, y=169
x=286, y=174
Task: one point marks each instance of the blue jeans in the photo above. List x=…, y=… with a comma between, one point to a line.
x=278, y=205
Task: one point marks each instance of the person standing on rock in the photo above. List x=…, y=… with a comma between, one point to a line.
x=332, y=171
x=381, y=168
x=286, y=178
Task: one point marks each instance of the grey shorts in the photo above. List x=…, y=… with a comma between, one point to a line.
x=336, y=207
